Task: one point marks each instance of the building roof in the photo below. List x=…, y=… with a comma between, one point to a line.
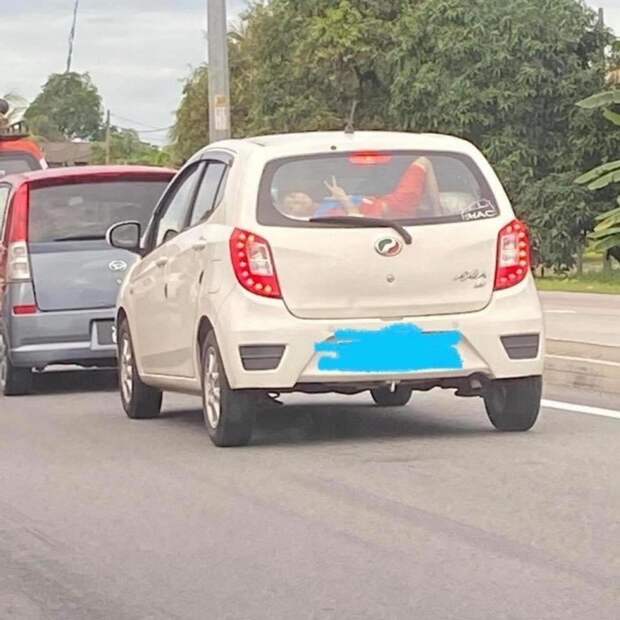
x=67, y=152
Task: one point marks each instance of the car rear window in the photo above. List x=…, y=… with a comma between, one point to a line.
x=412, y=188
x=85, y=211
x=15, y=163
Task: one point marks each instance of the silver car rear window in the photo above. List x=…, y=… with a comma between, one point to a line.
x=83, y=211
x=408, y=187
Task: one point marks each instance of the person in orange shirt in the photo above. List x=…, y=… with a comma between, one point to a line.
x=402, y=203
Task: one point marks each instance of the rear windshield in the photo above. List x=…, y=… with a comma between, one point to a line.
x=85, y=211
x=412, y=188
x=14, y=163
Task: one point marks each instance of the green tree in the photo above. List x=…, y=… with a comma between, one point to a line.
x=127, y=148
x=69, y=105
x=504, y=75
x=606, y=235
x=191, y=130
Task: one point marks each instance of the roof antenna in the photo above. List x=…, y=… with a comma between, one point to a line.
x=349, y=129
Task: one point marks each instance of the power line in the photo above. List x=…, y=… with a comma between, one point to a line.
x=132, y=121
x=141, y=131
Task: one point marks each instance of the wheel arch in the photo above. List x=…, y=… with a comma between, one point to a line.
x=205, y=325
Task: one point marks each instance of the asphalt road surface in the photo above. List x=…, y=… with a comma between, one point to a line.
x=583, y=317
x=337, y=510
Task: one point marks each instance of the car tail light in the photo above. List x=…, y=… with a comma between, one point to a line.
x=513, y=255
x=253, y=264
x=370, y=159
x=24, y=310
x=18, y=261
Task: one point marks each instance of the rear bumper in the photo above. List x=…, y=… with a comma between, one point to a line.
x=250, y=322
x=48, y=338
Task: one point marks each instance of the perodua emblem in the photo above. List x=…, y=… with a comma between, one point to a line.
x=117, y=265
x=388, y=246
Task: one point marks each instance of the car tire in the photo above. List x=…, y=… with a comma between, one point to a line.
x=386, y=398
x=513, y=404
x=229, y=414
x=14, y=381
x=140, y=401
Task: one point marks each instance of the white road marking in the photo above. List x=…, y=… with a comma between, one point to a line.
x=555, y=404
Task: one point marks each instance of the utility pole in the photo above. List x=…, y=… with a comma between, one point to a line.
x=107, y=138
x=72, y=35
x=219, y=87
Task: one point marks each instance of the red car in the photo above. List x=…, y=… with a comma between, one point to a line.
x=19, y=155
x=18, y=152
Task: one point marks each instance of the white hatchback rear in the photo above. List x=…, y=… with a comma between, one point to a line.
x=331, y=262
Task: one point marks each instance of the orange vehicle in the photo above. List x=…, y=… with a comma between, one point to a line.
x=18, y=151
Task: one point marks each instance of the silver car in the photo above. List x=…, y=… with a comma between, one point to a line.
x=59, y=278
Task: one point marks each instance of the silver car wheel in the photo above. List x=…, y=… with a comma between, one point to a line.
x=211, y=389
x=126, y=364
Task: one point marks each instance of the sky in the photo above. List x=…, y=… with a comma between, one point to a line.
x=136, y=51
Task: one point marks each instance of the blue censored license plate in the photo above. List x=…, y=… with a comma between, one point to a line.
x=398, y=348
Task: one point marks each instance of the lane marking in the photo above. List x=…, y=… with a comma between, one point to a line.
x=585, y=360
x=599, y=411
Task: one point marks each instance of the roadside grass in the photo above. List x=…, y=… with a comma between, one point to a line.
x=596, y=282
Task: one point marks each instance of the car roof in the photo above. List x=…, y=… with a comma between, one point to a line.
x=76, y=172
x=327, y=140
x=11, y=144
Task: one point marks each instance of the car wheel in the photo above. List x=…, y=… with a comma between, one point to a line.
x=513, y=404
x=229, y=414
x=14, y=381
x=140, y=401
x=386, y=398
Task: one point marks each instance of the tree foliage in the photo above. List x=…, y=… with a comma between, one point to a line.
x=606, y=235
x=191, y=130
x=69, y=106
x=127, y=148
x=504, y=75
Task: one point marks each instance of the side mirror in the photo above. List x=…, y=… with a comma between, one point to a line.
x=125, y=236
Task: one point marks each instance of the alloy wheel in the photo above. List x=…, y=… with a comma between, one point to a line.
x=211, y=396
x=126, y=367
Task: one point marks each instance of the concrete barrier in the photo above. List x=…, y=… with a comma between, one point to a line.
x=583, y=365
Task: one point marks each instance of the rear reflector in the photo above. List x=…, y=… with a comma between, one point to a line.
x=513, y=255
x=23, y=310
x=370, y=159
x=253, y=264
x=522, y=347
x=261, y=357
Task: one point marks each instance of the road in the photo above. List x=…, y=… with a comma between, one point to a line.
x=583, y=317
x=337, y=510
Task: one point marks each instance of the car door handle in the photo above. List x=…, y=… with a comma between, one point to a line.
x=200, y=245
x=161, y=262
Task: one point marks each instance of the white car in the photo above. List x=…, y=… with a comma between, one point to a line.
x=330, y=262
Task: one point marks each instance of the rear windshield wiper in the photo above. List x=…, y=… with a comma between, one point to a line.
x=365, y=222
x=81, y=238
